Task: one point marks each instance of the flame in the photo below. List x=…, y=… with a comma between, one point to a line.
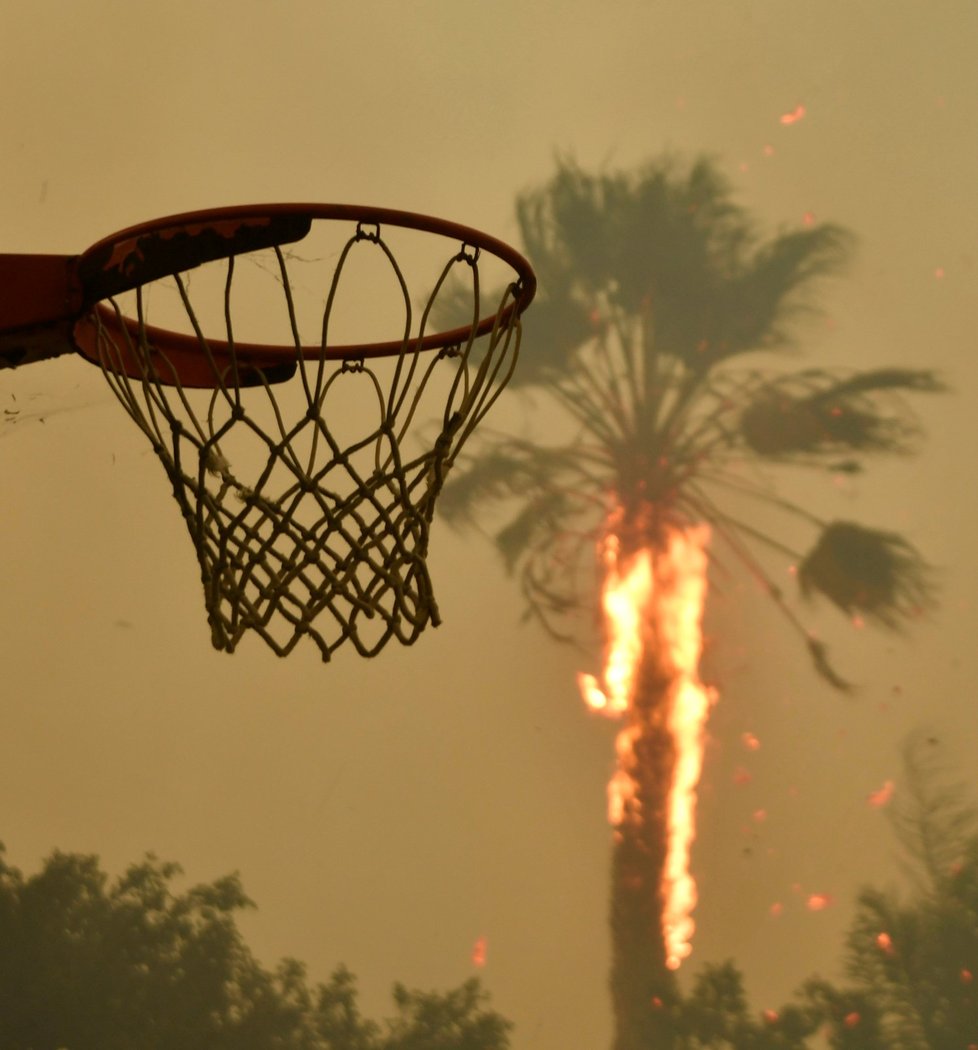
x=625, y=598
x=656, y=597
x=479, y=952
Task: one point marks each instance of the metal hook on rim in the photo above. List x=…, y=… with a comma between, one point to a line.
x=362, y=234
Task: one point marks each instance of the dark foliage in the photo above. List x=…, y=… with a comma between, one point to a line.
x=867, y=571
x=93, y=964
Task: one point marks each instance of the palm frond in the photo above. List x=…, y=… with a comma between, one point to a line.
x=818, y=413
x=553, y=591
x=540, y=520
x=932, y=817
x=559, y=323
x=558, y=326
x=819, y=653
x=868, y=572
x=775, y=285
x=500, y=470
x=918, y=380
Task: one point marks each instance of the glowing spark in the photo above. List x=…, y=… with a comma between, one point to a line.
x=967, y=977
x=776, y=909
x=793, y=116
x=657, y=598
x=818, y=901
x=479, y=952
x=882, y=795
x=770, y=1016
x=591, y=692
x=851, y=1019
x=750, y=741
x=885, y=943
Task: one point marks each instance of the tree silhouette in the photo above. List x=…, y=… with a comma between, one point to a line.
x=91, y=964
x=654, y=287
x=918, y=960
x=715, y=1016
x=910, y=962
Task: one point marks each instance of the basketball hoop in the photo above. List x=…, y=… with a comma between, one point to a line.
x=306, y=470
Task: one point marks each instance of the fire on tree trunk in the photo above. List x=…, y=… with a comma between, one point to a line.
x=652, y=597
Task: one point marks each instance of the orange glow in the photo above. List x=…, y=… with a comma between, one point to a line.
x=479, y=952
x=625, y=597
x=793, y=116
x=882, y=795
x=652, y=603
x=885, y=943
x=818, y=901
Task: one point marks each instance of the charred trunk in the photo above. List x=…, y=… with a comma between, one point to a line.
x=643, y=988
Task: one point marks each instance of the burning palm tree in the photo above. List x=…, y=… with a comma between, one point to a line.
x=655, y=288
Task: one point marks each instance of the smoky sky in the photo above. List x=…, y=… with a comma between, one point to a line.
x=389, y=813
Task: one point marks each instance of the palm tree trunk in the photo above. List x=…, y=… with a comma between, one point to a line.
x=653, y=793
x=643, y=988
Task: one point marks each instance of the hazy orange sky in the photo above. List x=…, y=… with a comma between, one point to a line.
x=386, y=814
